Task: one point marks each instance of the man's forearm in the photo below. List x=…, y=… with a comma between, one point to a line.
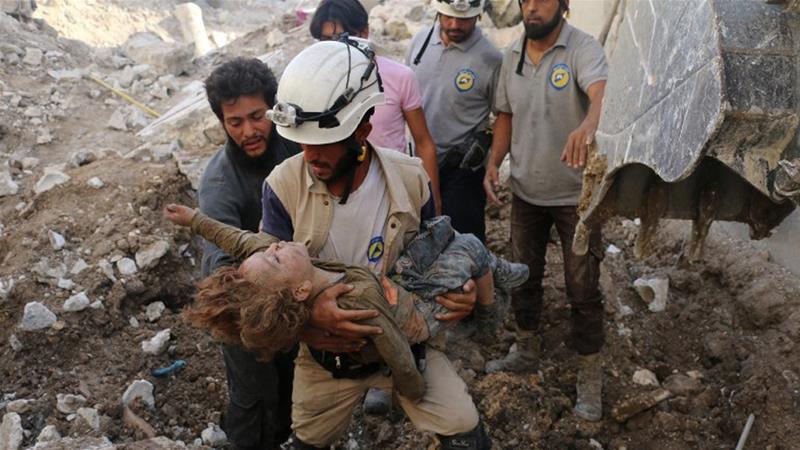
x=501, y=140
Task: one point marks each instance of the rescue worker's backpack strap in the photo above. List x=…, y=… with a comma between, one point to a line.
x=424, y=45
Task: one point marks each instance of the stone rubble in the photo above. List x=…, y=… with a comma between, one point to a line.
x=154, y=311
x=53, y=176
x=140, y=389
x=69, y=403
x=11, y=432
x=158, y=343
x=36, y=317
x=654, y=292
x=77, y=302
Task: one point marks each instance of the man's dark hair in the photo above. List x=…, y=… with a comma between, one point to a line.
x=239, y=77
x=350, y=14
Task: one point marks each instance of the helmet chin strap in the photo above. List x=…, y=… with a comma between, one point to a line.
x=356, y=154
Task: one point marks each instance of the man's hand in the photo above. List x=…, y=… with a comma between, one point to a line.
x=459, y=304
x=327, y=316
x=491, y=182
x=578, y=142
x=179, y=214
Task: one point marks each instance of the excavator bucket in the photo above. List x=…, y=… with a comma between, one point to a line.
x=700, y=118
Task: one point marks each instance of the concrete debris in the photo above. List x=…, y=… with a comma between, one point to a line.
x=154, y=311
x=69, y=403
x=504, y=13
x=213, y=435
x=149, y=256
x=613, y=250
x=95, y=182
x=79, y=266
x=53, y=176
x=107, y=270
x=44, y=137
x=82, y=158
x=140, y=389
x=629, y=407
x=11, y=432
x=157, y=344
x=126, y=77
x=97, y=304
x=66, y=74
x=77, y=302
x=30, y=163
x=19, y=406
x=48, y=434
x=654, y=292
x=65, y=283
x=680, y=384
x=118, y=121
x=7, y=184
x=14, y=342
x=36, y=317
x=164, y=152
x=33, y=56
x=134, y=322
x=148, y=48
x=275, y=38
x=644, y=377
x=190, y=17
x=91, y=416
x=126, y=266
x=57, y=241
x=5, y=288
x=45, y=269
x=32, y=111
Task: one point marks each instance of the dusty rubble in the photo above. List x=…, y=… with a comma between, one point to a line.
x=92, y=280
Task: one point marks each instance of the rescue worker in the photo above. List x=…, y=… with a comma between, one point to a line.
x=457, y=68
x=549, y=97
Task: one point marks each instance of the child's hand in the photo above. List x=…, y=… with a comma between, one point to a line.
x=179, y=214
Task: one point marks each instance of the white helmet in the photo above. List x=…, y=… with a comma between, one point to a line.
x=462, y=9
x=325, y=91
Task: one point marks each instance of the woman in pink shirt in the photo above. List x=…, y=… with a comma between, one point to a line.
x=401, y=90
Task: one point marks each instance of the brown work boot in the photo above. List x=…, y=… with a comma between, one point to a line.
x=589, y=403
x=524, y=359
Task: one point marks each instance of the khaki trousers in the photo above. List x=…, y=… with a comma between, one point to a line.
x=322, y=406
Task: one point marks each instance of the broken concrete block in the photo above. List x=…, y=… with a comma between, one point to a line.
x=157, y=344
x=52, y=177
x=57, y=241
x=654, y=292
x=213, y=436
x=90, y=416
x=36, y=317
x=154, y=311
x=79, y=266
x=44, y=137
x=19, y=406
x=77, y=302
x=644, y=377
x=82, y=158
x=149, y=256
x=126, y=266
x=14, y=342
x=140, y=389
x=48, y=434
x=118, y=121
x=7, y=184
x=11, y=432
x=95, y=182
x=33, y=56
x=149, y=48
x=69, y=403
x=190, y=17
x=29, y=163
x=680, y=384
x=65, y=283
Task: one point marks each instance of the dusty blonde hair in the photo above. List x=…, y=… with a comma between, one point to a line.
x=237, y=311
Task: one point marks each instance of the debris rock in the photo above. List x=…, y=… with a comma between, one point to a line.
x=79, y=266
x=14, y=342
x=82, y=158
x=213, y=435
x=126, y=266
x=36, y=317
x=44, y=137
x=680, y=384
x=154, y=311
x=33, y=56
x=118, y=121
x=65, y=283
x=69, y=403
x=11, y=432
x=95, y=182
x=629, y=407
x=504, y=13
x=148, y=257
x=77, y=302
x=19, y=406
x=97, y=304
x=91, y=416
x=29, y=163
x=48, y=434
x=7, y=184
x=654, y=291
x=157, y=344
x=141, y=389
x=57, y=241
x=166, y=151
x=44, y=269
x=149, y=48
x=644, y=377
x=52, y=177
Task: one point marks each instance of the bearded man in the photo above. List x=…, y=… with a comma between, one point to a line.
x=549, y=96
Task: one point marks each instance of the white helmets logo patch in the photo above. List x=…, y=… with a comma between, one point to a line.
x=465, y=80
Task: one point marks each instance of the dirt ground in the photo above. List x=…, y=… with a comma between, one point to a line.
x=725, y=346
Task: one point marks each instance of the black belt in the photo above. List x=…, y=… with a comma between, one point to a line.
x=341, y=365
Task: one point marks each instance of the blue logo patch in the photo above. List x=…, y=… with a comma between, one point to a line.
x=560, y=76
x=375, y=249
x=465, y=80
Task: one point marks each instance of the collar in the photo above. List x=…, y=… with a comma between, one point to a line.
x=473, y=39
x=399, y=200
x=563, y=38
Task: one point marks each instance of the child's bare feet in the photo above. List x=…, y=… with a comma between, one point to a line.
x=179, y=214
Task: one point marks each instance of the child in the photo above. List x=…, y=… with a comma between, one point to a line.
x=265, y=302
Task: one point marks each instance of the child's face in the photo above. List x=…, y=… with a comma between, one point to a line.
x=282, y=265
